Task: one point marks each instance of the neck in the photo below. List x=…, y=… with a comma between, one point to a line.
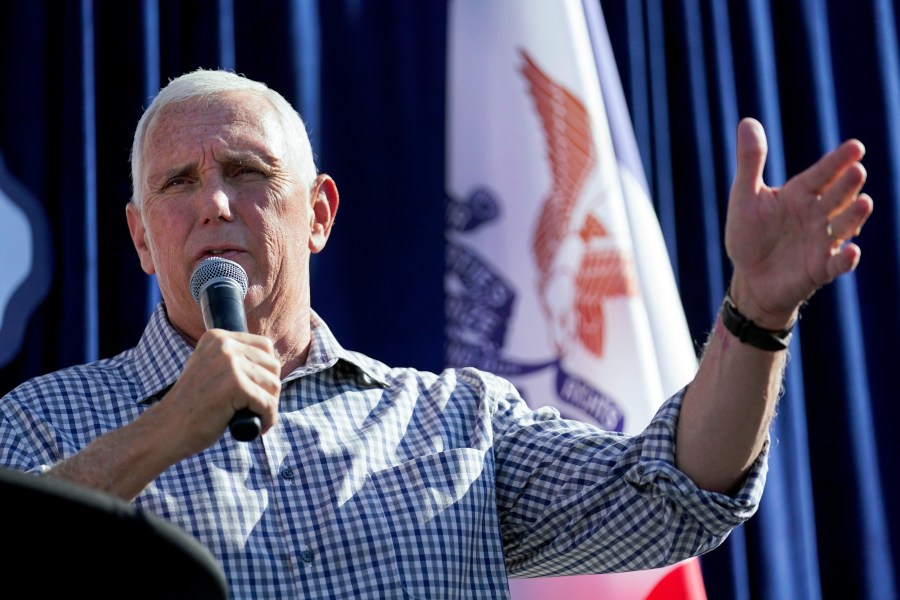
x=290, y=333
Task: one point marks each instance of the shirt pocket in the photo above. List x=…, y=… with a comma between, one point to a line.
x=442, y=516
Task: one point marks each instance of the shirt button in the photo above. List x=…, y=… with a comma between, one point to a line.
x=307, y=555
x=287, y=473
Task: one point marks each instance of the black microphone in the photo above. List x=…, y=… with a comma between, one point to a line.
x=219, y=286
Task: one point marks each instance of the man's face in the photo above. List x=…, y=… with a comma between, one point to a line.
x=219, y=179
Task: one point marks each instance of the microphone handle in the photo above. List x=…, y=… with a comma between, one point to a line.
x=245, y=425
x=222, y=305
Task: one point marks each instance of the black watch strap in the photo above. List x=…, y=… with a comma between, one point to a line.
x=749, y=332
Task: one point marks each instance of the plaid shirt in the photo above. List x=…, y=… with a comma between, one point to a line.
x=382, y=482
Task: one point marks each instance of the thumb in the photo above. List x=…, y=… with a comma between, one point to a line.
x=752, y=149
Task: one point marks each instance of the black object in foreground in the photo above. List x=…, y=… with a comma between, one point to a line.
x=64, y=540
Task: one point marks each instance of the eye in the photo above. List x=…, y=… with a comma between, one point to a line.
x=248, y=171
x=174, y=182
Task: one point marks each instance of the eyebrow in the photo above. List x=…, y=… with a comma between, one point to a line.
x=242, y=157
x=233, y=157
x=176, y=171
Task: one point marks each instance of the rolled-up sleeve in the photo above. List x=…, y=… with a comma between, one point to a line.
x=576, y=499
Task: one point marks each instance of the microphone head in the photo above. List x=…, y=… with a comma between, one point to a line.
x=214, y=269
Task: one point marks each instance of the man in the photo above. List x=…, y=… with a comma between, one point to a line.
x=373, y=481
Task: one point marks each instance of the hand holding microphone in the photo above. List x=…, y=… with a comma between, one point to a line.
x=219, y=287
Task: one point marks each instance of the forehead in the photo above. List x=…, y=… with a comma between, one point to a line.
x=239, y=121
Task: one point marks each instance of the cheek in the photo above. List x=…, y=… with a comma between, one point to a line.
x=165, y=232
x=285, y=242
x=167, y=220
x=286, y=225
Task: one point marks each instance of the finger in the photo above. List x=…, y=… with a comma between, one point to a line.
x=255, y=340
x=849, y=222
x=752, y=149
x=843, y=260
x=838, y=196
x=264, y=356
x=264, y=376
x=262, y=395
x=257, y=348
x=828, y=168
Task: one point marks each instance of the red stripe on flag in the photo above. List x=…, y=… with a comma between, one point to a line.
x=683, y=583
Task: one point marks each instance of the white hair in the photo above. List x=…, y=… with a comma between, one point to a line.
x=205, y=83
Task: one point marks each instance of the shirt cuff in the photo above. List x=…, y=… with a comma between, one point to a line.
x=716, y=512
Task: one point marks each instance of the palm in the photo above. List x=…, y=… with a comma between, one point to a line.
x=777, y=238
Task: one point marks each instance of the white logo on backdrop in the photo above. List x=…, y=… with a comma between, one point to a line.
x=24, y=262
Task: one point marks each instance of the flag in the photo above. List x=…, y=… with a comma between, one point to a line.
x=557, y=276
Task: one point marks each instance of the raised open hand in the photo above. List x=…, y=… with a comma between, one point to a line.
x=787, y=242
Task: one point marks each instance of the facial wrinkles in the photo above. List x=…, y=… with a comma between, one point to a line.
x=183, y=147
x=204, y=140
x=284, y=234
x=215, y=130
x=192, y=144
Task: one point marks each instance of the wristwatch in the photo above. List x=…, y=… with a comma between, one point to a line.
x=749, y=332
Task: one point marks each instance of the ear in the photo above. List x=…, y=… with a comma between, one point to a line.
x=139, y=237
x=324, y=202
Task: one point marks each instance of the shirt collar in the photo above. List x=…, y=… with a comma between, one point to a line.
x=159, y=356
x=325, y=352
x=161, y=353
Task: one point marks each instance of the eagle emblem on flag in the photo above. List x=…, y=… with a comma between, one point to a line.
x=579, y=265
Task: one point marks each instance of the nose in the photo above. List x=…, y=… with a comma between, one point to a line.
x=216, y=204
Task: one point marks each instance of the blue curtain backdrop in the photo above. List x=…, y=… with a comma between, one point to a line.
x=369, y=77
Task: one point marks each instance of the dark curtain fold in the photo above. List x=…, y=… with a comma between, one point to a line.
x=369, y=79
